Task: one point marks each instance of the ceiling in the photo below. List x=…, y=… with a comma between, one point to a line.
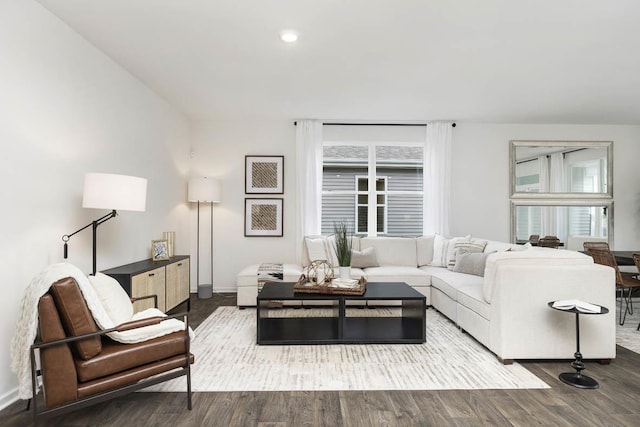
x=502, y=61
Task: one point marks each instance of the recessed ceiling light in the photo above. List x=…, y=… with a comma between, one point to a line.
x=288, y=36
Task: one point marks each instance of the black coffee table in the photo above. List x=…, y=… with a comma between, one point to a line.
x=408, y=328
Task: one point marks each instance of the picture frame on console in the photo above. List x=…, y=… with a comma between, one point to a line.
x=264, y=175
x=159, y=250
x=263, y=217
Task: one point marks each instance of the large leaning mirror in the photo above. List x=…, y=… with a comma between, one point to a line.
x=561, y=169
x=572, y=222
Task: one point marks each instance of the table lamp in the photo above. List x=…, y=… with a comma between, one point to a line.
x=113, y=192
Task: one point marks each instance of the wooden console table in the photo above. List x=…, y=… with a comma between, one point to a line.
x=169, y=280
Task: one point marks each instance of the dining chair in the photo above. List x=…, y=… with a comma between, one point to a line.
x=626, y=282
x=636, y=260
x=534, y=238
x=595, y=245
x=549, y=242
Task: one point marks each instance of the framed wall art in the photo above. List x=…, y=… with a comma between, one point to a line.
x=159, y=250
x=263, y=217
x=264, y=175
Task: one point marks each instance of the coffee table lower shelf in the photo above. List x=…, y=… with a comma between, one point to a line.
x=408, y=328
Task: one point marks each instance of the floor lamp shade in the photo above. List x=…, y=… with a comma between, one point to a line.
x=204, y=190
x=114, y=192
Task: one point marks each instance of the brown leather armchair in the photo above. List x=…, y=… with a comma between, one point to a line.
x=81, y=366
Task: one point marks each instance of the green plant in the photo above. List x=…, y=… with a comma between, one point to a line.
x=343, y=243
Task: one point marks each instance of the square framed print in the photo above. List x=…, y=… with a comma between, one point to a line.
x=159, y=250
x=263, y=217
x=264, y=174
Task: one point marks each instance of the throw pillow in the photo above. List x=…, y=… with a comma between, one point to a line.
x=364, y=258
x=321, y=248
x=471, y=262
x=113, y=297
x=443, y=249
x=473, y=245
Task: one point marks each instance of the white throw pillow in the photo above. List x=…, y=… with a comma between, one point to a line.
x=113, y=297
x=322, y=248
x=364, y=258
x=444, y=249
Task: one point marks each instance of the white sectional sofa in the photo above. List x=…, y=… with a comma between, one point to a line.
x=503, y=305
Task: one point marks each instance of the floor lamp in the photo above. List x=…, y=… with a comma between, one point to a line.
x=204, y=190
x=113, y=192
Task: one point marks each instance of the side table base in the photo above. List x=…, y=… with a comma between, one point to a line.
x=578, y=380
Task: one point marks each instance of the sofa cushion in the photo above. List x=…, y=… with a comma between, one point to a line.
x=471, y=297
x=443, y=249
x=364, y=258
x=531, y=258
x=76, y=317
x=449, y=282
x=424, y=246
x=473, y=245
x=393, y=251
x=321, y=248
x=116, y=357
x=413, y=276
x=494, y=246
x=471, y=263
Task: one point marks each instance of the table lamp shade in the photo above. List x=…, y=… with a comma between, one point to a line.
x=114, y=192
x=204, y=190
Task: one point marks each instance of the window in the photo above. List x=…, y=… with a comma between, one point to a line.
x=376, y=186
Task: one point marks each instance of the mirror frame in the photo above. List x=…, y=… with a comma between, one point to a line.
x=555, y=203
x=514, y=144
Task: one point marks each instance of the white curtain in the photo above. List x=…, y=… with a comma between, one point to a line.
x=437, y=178
x=558, y=185
x=308, y=180
x=548, y=220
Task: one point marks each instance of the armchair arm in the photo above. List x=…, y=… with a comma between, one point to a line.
x=155, y=299
x=128, y=325
x=134, y=324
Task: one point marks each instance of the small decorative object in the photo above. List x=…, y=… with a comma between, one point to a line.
x=159, y=250
x=319, y=272
x=264, y=175
x=343, y=248
x=170, y=237
x=263, y=217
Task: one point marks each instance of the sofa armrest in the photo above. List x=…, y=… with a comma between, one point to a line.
x=522, y=325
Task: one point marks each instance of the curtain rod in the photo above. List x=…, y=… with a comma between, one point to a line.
x=374, y=124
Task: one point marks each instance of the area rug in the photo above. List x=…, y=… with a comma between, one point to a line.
x=228, y=359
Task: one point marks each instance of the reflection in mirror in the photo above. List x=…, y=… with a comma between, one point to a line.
x=571, y=224
x=560, y=167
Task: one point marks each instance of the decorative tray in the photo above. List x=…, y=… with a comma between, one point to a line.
x=303, y=285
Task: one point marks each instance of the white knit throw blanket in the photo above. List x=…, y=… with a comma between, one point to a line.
x=27, y=325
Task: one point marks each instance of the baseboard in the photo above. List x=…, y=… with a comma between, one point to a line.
x=218, y=290
x=8, y=398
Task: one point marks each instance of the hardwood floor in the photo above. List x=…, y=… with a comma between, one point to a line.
x=615, y=403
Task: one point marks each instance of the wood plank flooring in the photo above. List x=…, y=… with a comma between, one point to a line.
x=615, y=403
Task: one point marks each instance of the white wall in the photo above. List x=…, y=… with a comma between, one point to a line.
x=219, y=150
x=66, y=109
x=480, y=197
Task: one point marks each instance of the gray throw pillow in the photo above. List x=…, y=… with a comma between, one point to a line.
x=471, y=263
x=364, y=258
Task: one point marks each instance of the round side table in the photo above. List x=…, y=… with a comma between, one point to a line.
x=576, y=378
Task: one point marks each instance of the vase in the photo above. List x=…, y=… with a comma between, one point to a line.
x=344, y=273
